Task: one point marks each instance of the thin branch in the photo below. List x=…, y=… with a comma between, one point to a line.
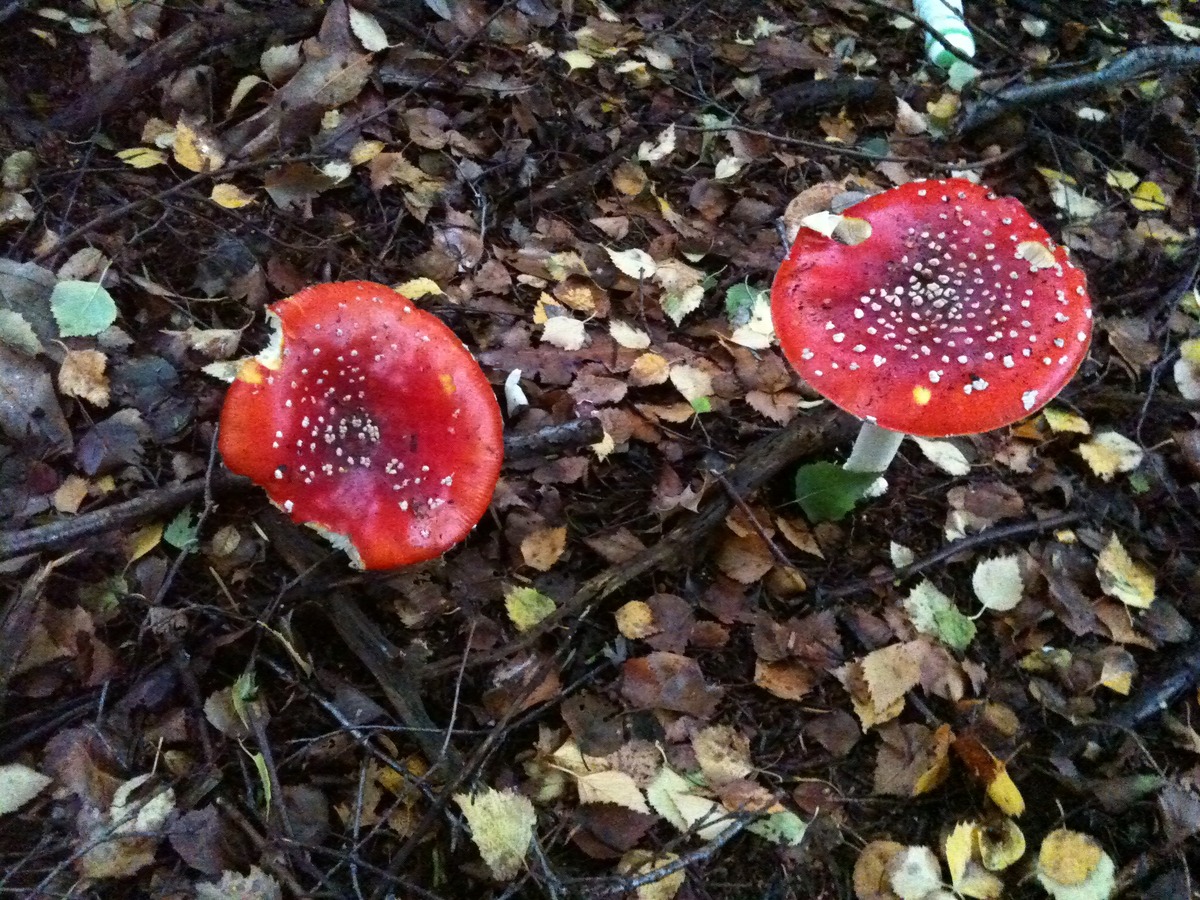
x=764, y=459
x=160, y=501
x=1125, y=68
x=974, y=542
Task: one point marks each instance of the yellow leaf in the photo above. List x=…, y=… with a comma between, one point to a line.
x=364, y=152
x=1121, y=577
x=1190, y=350
x=1148, y=197
x=1003, y=792
x=1178, y=27
x=643, y=862
x=196, y=152
x=542, y=548
x=1000, y=844
x=418, y=288
x=939, y=767
x=1061, y=421
x=577, y=59
x=959, y=847
x=501, y=824
x=527, y=606
x=1117, y=670
x=144, y=540
x=1109, y=453
x=611, y=787
x=1068, y=857
x=871, y=870
x=635, y=620
x=230, y=196
x=1122, y=179
x=141, y=157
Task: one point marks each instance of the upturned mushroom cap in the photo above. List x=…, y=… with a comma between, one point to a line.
x=370, y=421
x=957, y=315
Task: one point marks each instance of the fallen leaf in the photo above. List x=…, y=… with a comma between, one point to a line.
x=892, y=671
x=1072, y=866
x=945, y=456
x=82, y=375
x=671, y=681
x=914, y=873
x=611, y=787
x=1121, y=577
x=543, y=547
x=18, y=785
x=527, y=606
x=997, y=583
x=501, y=824
x=1109, y=453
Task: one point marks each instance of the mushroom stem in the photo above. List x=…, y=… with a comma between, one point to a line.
x=874, y=449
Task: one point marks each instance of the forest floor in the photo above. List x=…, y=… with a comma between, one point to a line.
x=647, y=672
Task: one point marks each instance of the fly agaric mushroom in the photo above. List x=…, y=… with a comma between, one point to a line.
x=370, y=421
x=957, y=314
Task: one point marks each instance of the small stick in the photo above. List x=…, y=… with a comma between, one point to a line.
x=741, y=504
x=974, y=542
x=160, y=501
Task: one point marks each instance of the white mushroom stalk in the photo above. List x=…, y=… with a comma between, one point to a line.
x=874, y=449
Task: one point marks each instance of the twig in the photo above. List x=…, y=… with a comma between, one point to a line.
x=268, y=856
x=160, y=501
x=169, y=54
x=396, y=675
x=763, y=461
x=974, y=542
x=125, y=208
x=1126, y=67
x=779, y=555
x=1181, y=674
x=606, y=887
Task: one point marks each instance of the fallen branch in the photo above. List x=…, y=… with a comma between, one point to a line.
x=164, y=500
x=396, y=674
x=1125, y=68
x=765, y=459
x=1180, y=675
x=974, y=542
x=171, y=54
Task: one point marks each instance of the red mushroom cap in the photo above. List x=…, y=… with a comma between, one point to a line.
x=371, y=422
x=957, y=315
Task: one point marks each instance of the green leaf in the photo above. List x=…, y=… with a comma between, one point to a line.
x=245, y=690
x=739, y=302
x=82, y=308
x=264, y=778
x=701, y=404
x=935, y=614
x=527, y=606
x=784, y=827
x=183, y=529
x=827, y=492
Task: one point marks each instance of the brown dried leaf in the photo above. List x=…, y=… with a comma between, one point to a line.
x=669, y=681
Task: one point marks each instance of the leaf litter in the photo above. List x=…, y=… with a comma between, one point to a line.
x=548, y=181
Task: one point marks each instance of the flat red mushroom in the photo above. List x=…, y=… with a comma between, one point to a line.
x=370, y=421
x=957, y=314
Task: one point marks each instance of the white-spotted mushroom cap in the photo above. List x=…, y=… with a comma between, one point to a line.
x=956, y=315
x=370, y=421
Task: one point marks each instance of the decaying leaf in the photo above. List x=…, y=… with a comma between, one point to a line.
x=1121, y=577
x=1072, y=866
